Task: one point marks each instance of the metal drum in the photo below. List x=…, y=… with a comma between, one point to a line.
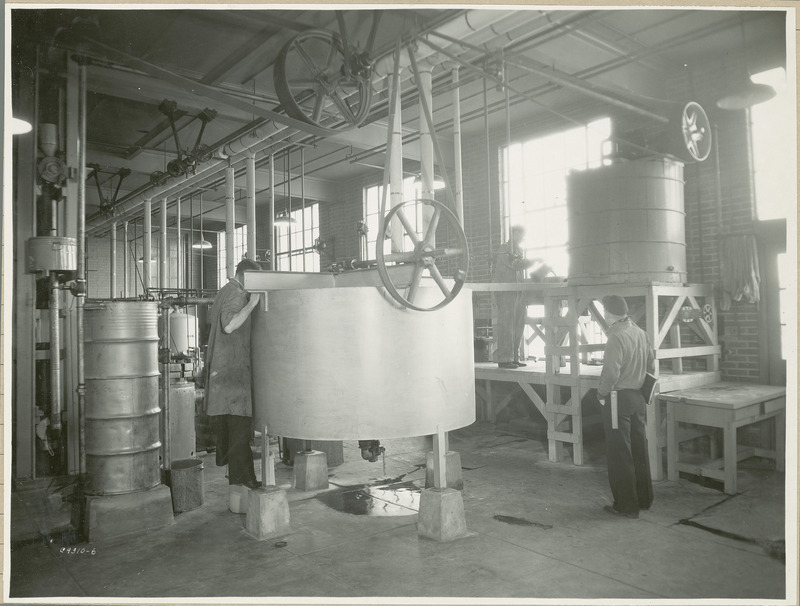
x=122, y=412
x=348, y=363
x=627, y=223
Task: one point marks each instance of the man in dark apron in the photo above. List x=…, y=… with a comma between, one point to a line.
x=229, y=378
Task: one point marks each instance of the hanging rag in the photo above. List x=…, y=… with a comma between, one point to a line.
x=740, y=275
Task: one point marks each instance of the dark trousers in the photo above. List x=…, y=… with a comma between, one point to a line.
x=626, y=452
x=233, y=446
x=510, y=325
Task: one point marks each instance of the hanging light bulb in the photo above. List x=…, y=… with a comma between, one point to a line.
x=202, y=243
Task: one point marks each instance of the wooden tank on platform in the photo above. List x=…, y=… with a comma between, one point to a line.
x=627, y=223
x=349, y=363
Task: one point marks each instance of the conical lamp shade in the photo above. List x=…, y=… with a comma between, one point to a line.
x=202, y=243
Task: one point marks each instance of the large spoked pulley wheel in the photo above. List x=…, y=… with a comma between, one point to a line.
x=425, y=256
x=320, y=82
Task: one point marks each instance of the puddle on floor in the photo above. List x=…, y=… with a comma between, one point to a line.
x=398, y=499
x=520, y=521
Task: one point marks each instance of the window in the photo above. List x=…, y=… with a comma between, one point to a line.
x=295, y=245
x=773, y=142
x=774, y=177
x=239, y=250
x=373, y=197
x=535, y=185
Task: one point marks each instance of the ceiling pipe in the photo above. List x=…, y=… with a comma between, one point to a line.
x=233, y=152
x=464, y=25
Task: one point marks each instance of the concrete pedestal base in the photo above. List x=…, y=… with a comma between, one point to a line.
x=237, y=498
x=116, y=515
x=334, y=450
x=441, y=515
x=455, y=479
x=267, y=513
x=310, y=470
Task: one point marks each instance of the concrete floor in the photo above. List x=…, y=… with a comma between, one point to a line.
x=556, y=541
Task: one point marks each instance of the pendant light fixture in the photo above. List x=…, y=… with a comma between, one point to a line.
x=749, y=93
x=284, y=218
x=202, y=242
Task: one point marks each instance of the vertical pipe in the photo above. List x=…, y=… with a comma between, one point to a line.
x=125, y=256
x=166, y=441
x=162, y=246
x=507, y=166
x=250, y=163
x=458, y=184
x=55, y=354
x=179, y=238
x=81, y=265
x=288, y=179
x=113, y=273
x=488, y=167
x=147, y=243
x=271, y=218
x=35, y=147
x=230, y=218
x=303, y=203
x=396, y=167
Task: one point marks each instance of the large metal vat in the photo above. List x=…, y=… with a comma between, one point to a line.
x=627, y=223
x=122, y=411
x=347, y=364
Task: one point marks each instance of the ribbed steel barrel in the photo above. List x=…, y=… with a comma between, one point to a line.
x=122, y=412
x=627, y=223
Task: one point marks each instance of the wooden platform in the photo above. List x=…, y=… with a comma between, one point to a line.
x=536, y=374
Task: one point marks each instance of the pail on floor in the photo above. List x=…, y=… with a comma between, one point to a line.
x=187, y=484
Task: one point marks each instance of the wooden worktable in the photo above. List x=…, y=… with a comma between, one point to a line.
x=728, y=406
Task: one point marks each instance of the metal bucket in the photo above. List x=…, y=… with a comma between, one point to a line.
x=182, y=432
x=187, y=484
x=122, y=413
x=627, y=223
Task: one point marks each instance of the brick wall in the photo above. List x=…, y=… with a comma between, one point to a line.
x=734, y=205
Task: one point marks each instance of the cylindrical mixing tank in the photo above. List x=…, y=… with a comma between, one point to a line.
x=627, y=223
x=182, y=332
x=376, y=370
x=122, y=412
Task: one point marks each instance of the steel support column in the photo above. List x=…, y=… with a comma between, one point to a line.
x=125, y=258
x=179, y=240
x=230, y=221
x=113, y=262
x=271, y=214
x=162, y=246
x=250, y=164
x=147, y=243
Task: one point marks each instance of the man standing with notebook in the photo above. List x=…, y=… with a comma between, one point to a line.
x=628, y=356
